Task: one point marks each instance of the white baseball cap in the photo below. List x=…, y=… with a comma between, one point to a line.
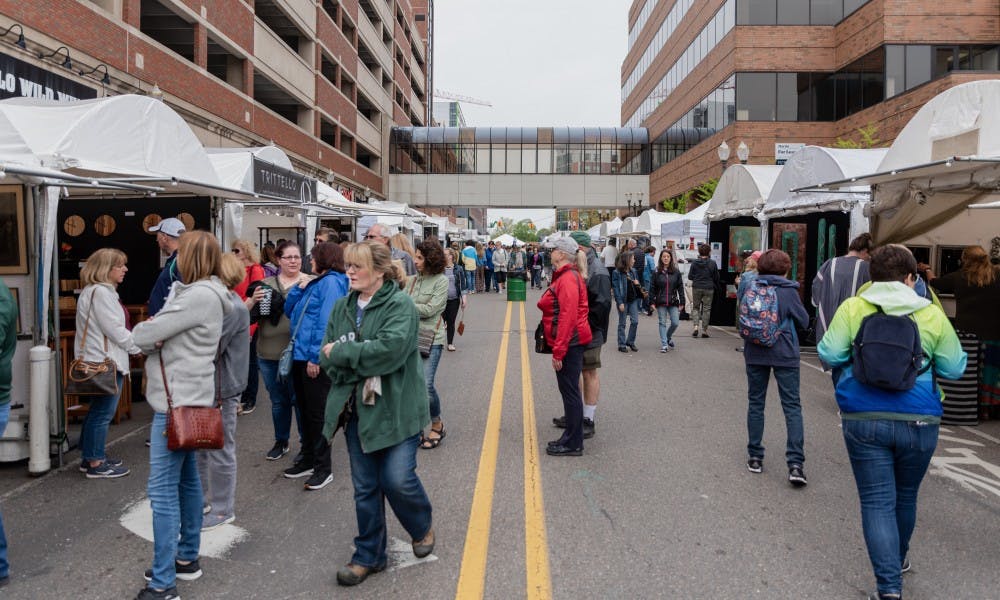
x=172, y=227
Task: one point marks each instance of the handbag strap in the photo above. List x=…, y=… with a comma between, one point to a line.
x=413, y=283
x=166, y=388
x=302, y=317
x=86, y=325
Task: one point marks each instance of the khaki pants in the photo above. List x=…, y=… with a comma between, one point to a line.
x=701, y=308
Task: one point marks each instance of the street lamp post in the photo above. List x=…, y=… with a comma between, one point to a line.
x=723, y=152
x=743, y=152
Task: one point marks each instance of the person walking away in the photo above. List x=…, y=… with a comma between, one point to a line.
x=429, y=291
x=625, y=291
x=100, y=334
x=168, y=233
x=378, y=395
x=704, y=277
x=976, y=287
x=772, y=344
x=181, y=344
x=500, y=259
x=480, y=268
x=890, y=434
x=609, y=254
x=469, y=264
x=245, y=251
x=599, y=303
x=217, y=468
x=382, y=233
x=567, y=330
x=745, y=280
x=647, y=278
x=273, y=334
x=308, y=307
x=838, y=279
x=536, y=267
x=8, y=344
x=491, y=284
x=667, y=296
x=457, y=291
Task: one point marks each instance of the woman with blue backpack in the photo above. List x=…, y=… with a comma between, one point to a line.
x=890, y=343
x=770, y=311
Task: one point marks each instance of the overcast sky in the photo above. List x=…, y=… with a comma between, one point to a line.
x=539, y=62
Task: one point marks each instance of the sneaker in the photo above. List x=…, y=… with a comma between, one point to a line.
x=755, y=465
x=796, y=476
x=298, y=470
x=318, y=481
x=664, y=349
x=216, y=521
x=632, y=347
x=188, y=572
x=114, y=462
x=151, y=594
x=906, y=565
x=559, y=422
x=280, y=449
x=704, y=334
x=695, y=334
x=148, y=444
x=670, y=344
x=106, y=471
x=207, y=508
x=588, y=428
x=878, y=596
x=248, y=408
x=623, y=349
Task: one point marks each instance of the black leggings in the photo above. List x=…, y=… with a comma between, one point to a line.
x=450, y=314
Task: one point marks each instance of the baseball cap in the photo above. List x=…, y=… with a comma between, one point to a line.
x=581, y=237
x=171, y=226
x=565, y=244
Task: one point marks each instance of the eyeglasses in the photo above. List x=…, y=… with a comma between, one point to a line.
x=236, y=250
x=290, y=257
x=354, y=266
x=319, y=241
x=371, y=236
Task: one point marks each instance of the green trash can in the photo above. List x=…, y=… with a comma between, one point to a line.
x=516, y=289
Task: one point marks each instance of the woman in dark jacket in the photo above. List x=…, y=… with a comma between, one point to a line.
x=567, y=330
x=457, y=292
x=625, y=288
x=668, y=297
x=308, y=306
x=783, y=359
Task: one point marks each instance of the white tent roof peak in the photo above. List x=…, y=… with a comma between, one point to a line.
x=609, y=228
x=234, y=166
x=742, y=191
x=813, y=165
x=125, y=135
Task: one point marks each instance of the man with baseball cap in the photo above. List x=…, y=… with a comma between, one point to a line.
x=598, y=314
x=168, y=233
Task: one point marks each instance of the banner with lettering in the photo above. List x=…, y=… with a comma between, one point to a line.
x=19, y=79
x=279, y=182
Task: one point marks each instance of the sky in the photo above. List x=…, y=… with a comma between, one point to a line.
x=543, y=63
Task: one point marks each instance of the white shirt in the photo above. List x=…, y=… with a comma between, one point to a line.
x=609, y=254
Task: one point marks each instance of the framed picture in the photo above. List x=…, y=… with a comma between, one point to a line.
x=791, y=238
x=741, y=239
x=13, y=231
x=949, y=259
x=17, y=305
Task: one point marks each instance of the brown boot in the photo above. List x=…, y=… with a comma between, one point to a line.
x=425, y=546
x=352, y=574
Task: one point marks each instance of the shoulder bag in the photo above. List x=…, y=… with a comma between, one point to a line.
x=91, y=378
x=287, y=355
x=192, y=427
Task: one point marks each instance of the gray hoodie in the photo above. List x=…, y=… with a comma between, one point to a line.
x=234, y=349
x=189, y=327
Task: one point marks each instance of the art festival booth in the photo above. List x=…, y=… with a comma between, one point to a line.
x=734, y=227
x=938, y=190
x=89, y=175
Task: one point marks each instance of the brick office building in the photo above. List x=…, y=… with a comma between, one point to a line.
x=325, y=80
x=767, y=72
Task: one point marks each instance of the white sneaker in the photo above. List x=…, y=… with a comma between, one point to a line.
x=217, y=522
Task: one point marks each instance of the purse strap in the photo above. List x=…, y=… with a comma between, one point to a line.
x=413, y=283
x=302, y=317
x=86, y=325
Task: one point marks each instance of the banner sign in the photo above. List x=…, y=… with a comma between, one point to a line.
x=281, y=183
x=784, y=151
x=19, y=79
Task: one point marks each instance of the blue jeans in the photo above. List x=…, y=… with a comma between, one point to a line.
x=491, y=283
x=662, y=312
x=387, y=474
x=430, y=370
x=787, y=378
x=889, y=460
x=632, y=311
x=4, y=565
x=282, y=394
x=470, y=281
x=175, y=494
x=94, y=433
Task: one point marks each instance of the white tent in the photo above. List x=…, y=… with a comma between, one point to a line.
x=594, y=232
x=690, y=225
x=742, y=191
x=234, y=166
x=628, y=225
x=508, y=240
x=609, y=228
x=651, y=220
x=815, y=164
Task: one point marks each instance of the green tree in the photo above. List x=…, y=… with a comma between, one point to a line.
x=523, y=230
x=868, y=138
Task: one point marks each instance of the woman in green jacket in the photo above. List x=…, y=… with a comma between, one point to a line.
x=429, y=290
x=378, y=395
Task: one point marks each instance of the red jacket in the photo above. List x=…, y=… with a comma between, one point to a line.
x=255, y=272
x=570, y=292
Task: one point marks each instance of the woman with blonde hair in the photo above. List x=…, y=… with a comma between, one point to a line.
x=101, y=333
x=401, y=241
x=246, y=252
x=379, y=396
x=182, y=343
x=976, y=287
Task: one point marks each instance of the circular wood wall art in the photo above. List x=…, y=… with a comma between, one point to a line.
x=188, y=221
x=74, y=225
x=151, y=220
x=105, y=225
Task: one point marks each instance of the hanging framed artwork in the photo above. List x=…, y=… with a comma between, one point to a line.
x=791, y=238
x=13, y=231
x=741, y=239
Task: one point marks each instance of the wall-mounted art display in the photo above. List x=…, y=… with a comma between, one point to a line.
x=105, y=225
x=74, y=225
x=791, y=238
x=13, y=231
x=188, y=221
x=151, y=220
x=741, y=239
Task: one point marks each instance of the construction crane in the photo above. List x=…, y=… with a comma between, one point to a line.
x=443, y=95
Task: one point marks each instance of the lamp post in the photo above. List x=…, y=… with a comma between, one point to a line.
x=743, y=152
x=723, y=152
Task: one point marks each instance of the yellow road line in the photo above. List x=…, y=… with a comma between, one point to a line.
x=472, y=577
x=536, y=558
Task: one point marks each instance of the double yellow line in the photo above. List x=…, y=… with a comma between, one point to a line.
x=472, y=577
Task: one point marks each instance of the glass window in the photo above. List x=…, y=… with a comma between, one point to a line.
x=528, y=158
x=895, y=70
x=793, y=12
x=985, y=58
x=545, y=158
x=788, y=97
x=730, y=11
x=513, y=158
x=498, y=154
x=918, y=65
x=852, y=5
x=944, y=60
x=756, y=12
x=482, y=158
x=826, y=12
x=755, y=96
x=806, y=99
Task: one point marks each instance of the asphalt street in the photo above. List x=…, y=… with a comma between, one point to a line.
x=659, y=506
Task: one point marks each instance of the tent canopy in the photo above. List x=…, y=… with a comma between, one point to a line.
x=742, y=191
x=814, y=164
x=689, y=225
x=128, y=135
x=651, y=220
x=507, y=239
x=609, y=228
x=234, y=166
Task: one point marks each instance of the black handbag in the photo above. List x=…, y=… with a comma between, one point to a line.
x=541, y=344
x=91, y=378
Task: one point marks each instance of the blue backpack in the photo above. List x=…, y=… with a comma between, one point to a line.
x=759, y=323
x=887, y=352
